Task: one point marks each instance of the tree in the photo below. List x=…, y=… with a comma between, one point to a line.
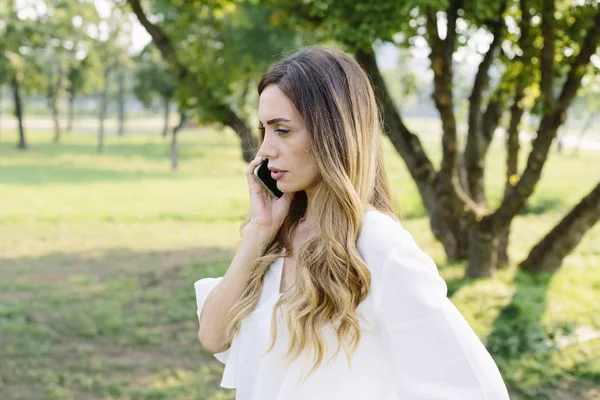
x=235, y=41
x=114, y=58
x=459, y=214
x=19, y=38
x=153, y=79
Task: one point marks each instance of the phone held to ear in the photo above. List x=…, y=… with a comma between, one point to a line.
x=263, y=175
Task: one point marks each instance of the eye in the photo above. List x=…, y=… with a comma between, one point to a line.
x=280, y=131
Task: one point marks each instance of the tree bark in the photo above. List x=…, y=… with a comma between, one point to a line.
x=441, y=65
x=554, y=116
x=16, y=88
x=447, y=229
x=54, y=88
x=174, y=146
x=549, y=253
x=249, y=141
x=516, y=115
x=55, y=118
x=166, y=104
x=481, y=246
x=477, y=144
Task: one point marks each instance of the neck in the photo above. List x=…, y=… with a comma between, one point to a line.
x=310, y=214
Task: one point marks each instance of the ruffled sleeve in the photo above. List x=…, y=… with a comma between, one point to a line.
x=203, y=288
x=431, y=350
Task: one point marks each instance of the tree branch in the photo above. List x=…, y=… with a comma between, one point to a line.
x=517, y=111
x=161, y=40
x=549, y=253
x=477, y=144
x=406, y=143
x=441, y=64
x=515, y=202
x=548, y=27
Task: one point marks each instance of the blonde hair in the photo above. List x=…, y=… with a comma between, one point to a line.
x=334, y=96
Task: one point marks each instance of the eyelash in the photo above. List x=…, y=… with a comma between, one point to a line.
x=281, y=131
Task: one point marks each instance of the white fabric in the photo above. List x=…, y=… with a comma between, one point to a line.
x=415, y=344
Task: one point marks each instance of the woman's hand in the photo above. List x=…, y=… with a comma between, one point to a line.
x=267, y=213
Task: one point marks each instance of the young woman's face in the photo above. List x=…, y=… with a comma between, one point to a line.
x=286, y=142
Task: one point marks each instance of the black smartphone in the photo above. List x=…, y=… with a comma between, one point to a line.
x=263, y=175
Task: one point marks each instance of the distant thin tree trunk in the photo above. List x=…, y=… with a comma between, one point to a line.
x=174, y=147
x=103, y=106
x=19, y=111
x=70, y=111
x=55, y=115
x=166, y=126
x=121, y=101
x=53, y=93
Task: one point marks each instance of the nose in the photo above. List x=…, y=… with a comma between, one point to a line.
x=268, y=149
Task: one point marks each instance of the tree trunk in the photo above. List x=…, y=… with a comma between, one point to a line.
x=549, y=253
x=55, y=115
x=249, y=141
x=174, y=147
x=512, y=169
x=477, y=143
x=54, y=89
x=103, y=107
x=482, y=257
x=516, y=115
x=553, y=117
x=19, y=111
x=70, y=111
x=121, y=101
x=445, y=227
x=166, y=115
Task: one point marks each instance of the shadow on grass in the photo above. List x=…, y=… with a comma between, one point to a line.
x=519, y=338
x=116, y=322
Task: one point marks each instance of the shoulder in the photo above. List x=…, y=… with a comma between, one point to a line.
x=380, y=231
x=380, y=235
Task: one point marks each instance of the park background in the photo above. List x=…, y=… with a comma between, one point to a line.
x=122, y=159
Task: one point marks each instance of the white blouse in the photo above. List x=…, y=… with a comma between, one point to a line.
x=414, y=343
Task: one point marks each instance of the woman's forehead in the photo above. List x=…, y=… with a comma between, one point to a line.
x=274, y=104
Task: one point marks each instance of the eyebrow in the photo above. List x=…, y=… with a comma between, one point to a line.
x=274, y=120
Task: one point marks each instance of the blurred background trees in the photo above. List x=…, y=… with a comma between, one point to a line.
x=492, y=69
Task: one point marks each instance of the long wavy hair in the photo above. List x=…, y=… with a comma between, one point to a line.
x=334, y=96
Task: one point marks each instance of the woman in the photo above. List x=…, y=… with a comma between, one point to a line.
x=327, y=267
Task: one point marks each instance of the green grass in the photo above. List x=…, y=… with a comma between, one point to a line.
x=98, y=255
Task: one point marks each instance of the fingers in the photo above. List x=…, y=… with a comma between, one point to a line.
x=252, y=166
x=253, y=184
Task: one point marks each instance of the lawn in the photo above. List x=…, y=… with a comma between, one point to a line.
x=99, y=253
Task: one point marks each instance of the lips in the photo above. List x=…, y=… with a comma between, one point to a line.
x=273, y=169
x=277, y=174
